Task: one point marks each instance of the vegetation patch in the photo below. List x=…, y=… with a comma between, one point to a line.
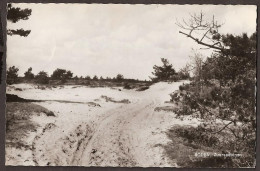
x=142, y=88
x=18, y=123
x=193, y=147
x=109, y=99
x=221, y=93
x=165, y=108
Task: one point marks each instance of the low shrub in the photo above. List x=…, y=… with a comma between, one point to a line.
x=143, y=88
x=181, y=88
x=190, y=140
x=126, y=86
x=197, y=135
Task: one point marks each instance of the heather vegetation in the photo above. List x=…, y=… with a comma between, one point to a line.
x=221, y=94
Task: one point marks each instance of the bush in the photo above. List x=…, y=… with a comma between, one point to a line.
x=175, y=96
x=202, y=138
x=42, y=78
x=12, y=75
x=143, y=88
x=181, y=88
x=119, y=77
x=174, y=78
x=61, y=74
x=127, y=86
x=183, y=75
x=228, y=102
x=28, y=74
x=197, y=135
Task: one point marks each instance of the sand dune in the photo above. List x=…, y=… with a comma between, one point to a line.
x=114, y=134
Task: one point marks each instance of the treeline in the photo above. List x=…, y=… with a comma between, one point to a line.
x=61, y=75
x=166, y=72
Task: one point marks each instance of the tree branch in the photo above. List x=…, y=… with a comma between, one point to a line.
x=202, y=43
x=222, y=128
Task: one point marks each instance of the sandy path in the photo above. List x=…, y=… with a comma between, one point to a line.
x=112, y=143
x=111, y=135
x=128, y=136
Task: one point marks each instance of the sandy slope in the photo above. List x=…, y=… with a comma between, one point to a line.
x=114, y=134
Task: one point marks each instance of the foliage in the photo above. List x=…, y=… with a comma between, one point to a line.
x=143, y=88
x=16, y=14
x=12, y=75
x=42, y=78
x=87, y=78
x=127, y=86
x=19, y=124
x=95, y=78
x=28, y=74
x=119, y=77
x=198, y=135
x=20, y=32
x=61, y=74
x=223, y=88
x=200, y=138
x=163, y=73
x=184, y=74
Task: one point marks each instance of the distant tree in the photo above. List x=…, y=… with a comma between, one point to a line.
x=81, y=77
x=95, y=78
x=163, y=73
x=61, y=74
x=87, y=77
x=12, y=75
x=16, y=14
x=76, y=77
x=42, y=78
x=58, y=74
x=28, y=74
x=119, y=77
x=69, y=75
x=101, y=78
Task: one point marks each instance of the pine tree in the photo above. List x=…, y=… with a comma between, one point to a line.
x=164, y=72
x=14, y=15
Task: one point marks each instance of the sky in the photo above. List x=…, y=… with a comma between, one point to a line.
x=108, y=39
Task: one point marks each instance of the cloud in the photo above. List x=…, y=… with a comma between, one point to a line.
x=107, y=39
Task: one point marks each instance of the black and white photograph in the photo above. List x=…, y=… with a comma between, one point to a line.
x=131, y=85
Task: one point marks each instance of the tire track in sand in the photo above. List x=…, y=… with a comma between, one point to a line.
x=112, y=143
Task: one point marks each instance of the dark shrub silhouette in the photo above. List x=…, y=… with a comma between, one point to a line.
x=42, y=78
x=12, y=75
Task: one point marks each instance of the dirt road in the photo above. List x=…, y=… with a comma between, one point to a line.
x=121, y=139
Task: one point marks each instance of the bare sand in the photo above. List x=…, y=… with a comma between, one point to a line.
x=111, y=134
